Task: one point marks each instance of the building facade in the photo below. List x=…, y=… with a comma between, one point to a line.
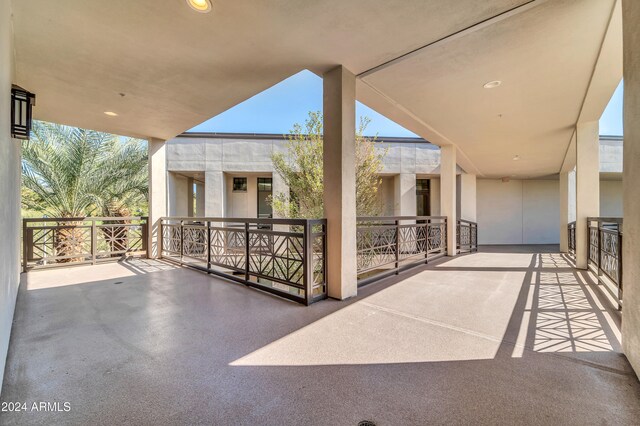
x=231, y=175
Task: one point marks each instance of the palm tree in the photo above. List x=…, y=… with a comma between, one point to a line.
x=73, y=172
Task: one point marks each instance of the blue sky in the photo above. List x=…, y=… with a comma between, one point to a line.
x=276, y=109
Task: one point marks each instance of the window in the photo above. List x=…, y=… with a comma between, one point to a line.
x=239, y=184
x=264, y=184
x=422, y=184
x=423, y=201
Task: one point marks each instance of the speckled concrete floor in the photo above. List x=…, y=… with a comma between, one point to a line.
x=504, y=336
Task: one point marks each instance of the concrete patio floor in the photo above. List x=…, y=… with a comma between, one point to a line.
x=510, y=335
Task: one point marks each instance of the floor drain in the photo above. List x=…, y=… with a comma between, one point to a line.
x=366, y=423
x=118, y=282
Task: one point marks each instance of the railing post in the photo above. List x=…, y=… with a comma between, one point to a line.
x=208, y=245
x=620, y=270
x=247, y=251
x=427, y=228
x=94, y=242
x=160, y=243
x=145, y=236
x=397, y=264
x=25, y=243
x=181, y=239
x=446, y=235
x=599, y=233
x=307, y=263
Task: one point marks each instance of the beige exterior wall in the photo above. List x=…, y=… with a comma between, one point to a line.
x=611, y=198
x=9, y=190
x=178, y=195
x=243, y=204
x=518, y=211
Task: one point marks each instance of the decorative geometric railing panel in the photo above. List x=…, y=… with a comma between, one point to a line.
x=114, y=239
x=609, y=254
x=288, y=260
x=278, y=257
x=194, y=242
x=466, y=236
x=51, y=242
x=387, y=244
x=376, y=245
x=572, y=237
x=227, y=248
x=594, y=251
x=605, y=243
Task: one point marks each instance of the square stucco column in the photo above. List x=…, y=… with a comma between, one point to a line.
x=564, y=212
x=587, y=185
x=215, y=189
x=630, y=179
x=448, y=194
x=199, y=199
x=157, y=192
x=404, y=194
x=190, y=197
x=466, y=197
x=177, y=195
x=339, y=165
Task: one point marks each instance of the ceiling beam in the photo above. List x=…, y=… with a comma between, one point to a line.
x=456, y=35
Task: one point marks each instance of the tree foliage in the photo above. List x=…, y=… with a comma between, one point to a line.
x=71, y=172
x=301, y=169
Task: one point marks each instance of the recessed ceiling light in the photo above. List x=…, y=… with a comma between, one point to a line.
x=202, y=6
x=492, y=84
x=110, y=113
x=516, y=158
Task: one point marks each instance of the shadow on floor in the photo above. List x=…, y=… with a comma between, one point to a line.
x=488, y=338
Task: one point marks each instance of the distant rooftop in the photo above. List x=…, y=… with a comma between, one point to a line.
x=272, y=136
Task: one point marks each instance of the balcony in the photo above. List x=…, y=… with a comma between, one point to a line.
x=447, y=341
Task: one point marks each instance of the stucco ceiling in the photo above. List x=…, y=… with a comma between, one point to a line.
x=177, y=68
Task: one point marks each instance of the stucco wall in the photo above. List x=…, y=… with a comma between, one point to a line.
x=518, y=211
x=611, y=154
x=611, y=198
x=9, y=191
x=178, y=195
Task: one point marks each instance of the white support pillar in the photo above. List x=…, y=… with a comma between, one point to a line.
x=564, y=212
x=190, y=197
x=157, y=192
x=466, y=197
x=404, y=194
x=339, y=160
x=200, y=200
x=630, y=179
x=587, y=185
x=215, y=189
x=448, y=194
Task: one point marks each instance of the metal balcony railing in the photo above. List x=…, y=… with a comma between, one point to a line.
x=605, y=252
x=388, y=245
x=571, y=228
x=51, y=242
x=466, y=236
x=285, y=257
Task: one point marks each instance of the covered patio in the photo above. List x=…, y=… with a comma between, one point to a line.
x=507, y=89
x=507, y=335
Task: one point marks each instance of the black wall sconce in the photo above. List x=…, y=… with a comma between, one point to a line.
x=21, y=104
